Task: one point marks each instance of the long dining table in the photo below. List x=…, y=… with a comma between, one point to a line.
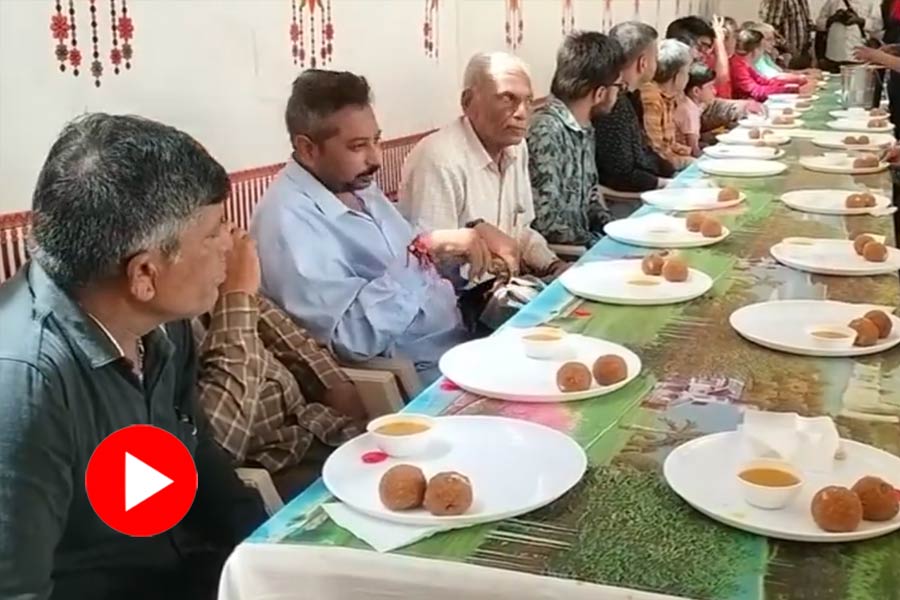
x=621, y=532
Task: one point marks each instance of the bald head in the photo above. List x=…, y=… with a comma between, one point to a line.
x=497, y=98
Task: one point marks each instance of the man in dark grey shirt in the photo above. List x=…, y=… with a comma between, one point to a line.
x=129, y=239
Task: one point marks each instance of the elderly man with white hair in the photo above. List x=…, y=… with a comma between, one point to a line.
x=474, y=171
x=660, y=98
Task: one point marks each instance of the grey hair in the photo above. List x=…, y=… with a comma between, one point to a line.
x=674, y=55
x=634, y=37
x=486, y=66
x=113, y=186
x=763, y=28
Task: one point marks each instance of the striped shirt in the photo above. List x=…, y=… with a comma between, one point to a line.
x=659, y=123
x=790, y=18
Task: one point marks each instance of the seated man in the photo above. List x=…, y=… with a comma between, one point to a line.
x=334, y=252
x=660, y=100
x=129, y=240
x=274, y=398
x=625, y=160
x=567, y=203
x=474, y=171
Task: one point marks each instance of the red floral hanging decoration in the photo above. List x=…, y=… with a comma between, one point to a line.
x=431, y=28
x=64, y=32
x=300, y=9
x=568, y=17
x=607, y=21
x=514, y=24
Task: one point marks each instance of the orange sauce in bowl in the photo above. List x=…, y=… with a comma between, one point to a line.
x=402, y=428
x=769, y=477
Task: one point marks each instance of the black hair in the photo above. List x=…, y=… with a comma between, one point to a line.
x=586, y=60
x=317, y=94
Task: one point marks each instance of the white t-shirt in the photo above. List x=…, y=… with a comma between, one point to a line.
x=842, y=39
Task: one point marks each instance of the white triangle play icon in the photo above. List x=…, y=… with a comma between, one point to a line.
x=141, y=481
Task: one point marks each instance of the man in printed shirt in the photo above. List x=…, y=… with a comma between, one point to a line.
x=474, y=171
x=791, y=19
x=625, y=160
x=334, y=252
x=563, y=169
x=274, y=397
x=660, y=99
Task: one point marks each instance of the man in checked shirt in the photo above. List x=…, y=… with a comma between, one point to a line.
x=273, y=396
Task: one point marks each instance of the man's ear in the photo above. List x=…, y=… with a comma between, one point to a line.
x=142, y=274
x=304, y=147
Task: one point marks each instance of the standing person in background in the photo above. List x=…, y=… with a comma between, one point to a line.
x=847, y=24
x=660, y=97
x=567, y=202
x=792, y=20
x=700, y=91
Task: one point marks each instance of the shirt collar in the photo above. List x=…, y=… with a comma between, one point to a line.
x=475, y=149
x=558, y=109
x=324, y=199
x=91, y=336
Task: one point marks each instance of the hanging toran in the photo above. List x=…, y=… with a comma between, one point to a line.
x=637, y=10
x=64, y=31
x=514, y=23
x=430, y=28
x=607, y=21
x=299, y=11
x=568, y=16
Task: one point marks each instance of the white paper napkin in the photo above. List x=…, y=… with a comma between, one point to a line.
x=383, y=536
x=809, y=443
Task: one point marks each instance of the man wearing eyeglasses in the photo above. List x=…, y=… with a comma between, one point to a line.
x=474, y=172
x=561, y=143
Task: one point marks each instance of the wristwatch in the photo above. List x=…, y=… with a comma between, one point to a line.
x=474, y=224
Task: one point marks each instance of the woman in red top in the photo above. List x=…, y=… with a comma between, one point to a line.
x=746, y=82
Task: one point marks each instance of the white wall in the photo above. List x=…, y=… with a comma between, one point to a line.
x=221, y=70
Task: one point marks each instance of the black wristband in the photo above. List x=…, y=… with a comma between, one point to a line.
x=474, y=224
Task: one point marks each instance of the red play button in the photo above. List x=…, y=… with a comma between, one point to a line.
x=141, y=480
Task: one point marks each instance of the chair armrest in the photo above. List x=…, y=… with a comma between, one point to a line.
x=617, y=196
x=565, y=250
x=378, y=391
x=403, y=369
x=261, y=481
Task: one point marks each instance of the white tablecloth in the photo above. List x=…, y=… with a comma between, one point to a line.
x=288, y=571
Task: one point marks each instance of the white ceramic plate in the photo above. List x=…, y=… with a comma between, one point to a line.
x=497, y=367
x=514, y=466
x=717, y=495
x=659, y=231
x=776, y=107
x=823, y=165
x=831, y=257
x=795, y=97
x=877, y=141
x=830, y=202
x=688, y=199
x=768, y=124
x=854, y=115
x=861, y=125
x=746, y=151
x=741, y=167
x=784, y=325
x=608, y=281
x=740, y=136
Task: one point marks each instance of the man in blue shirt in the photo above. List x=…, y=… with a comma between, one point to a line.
x=129, y=240
x=337, y=255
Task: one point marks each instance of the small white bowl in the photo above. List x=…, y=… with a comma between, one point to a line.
x=769, y=497
x=829, y=335
x=544, y=342
x=401, y=446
